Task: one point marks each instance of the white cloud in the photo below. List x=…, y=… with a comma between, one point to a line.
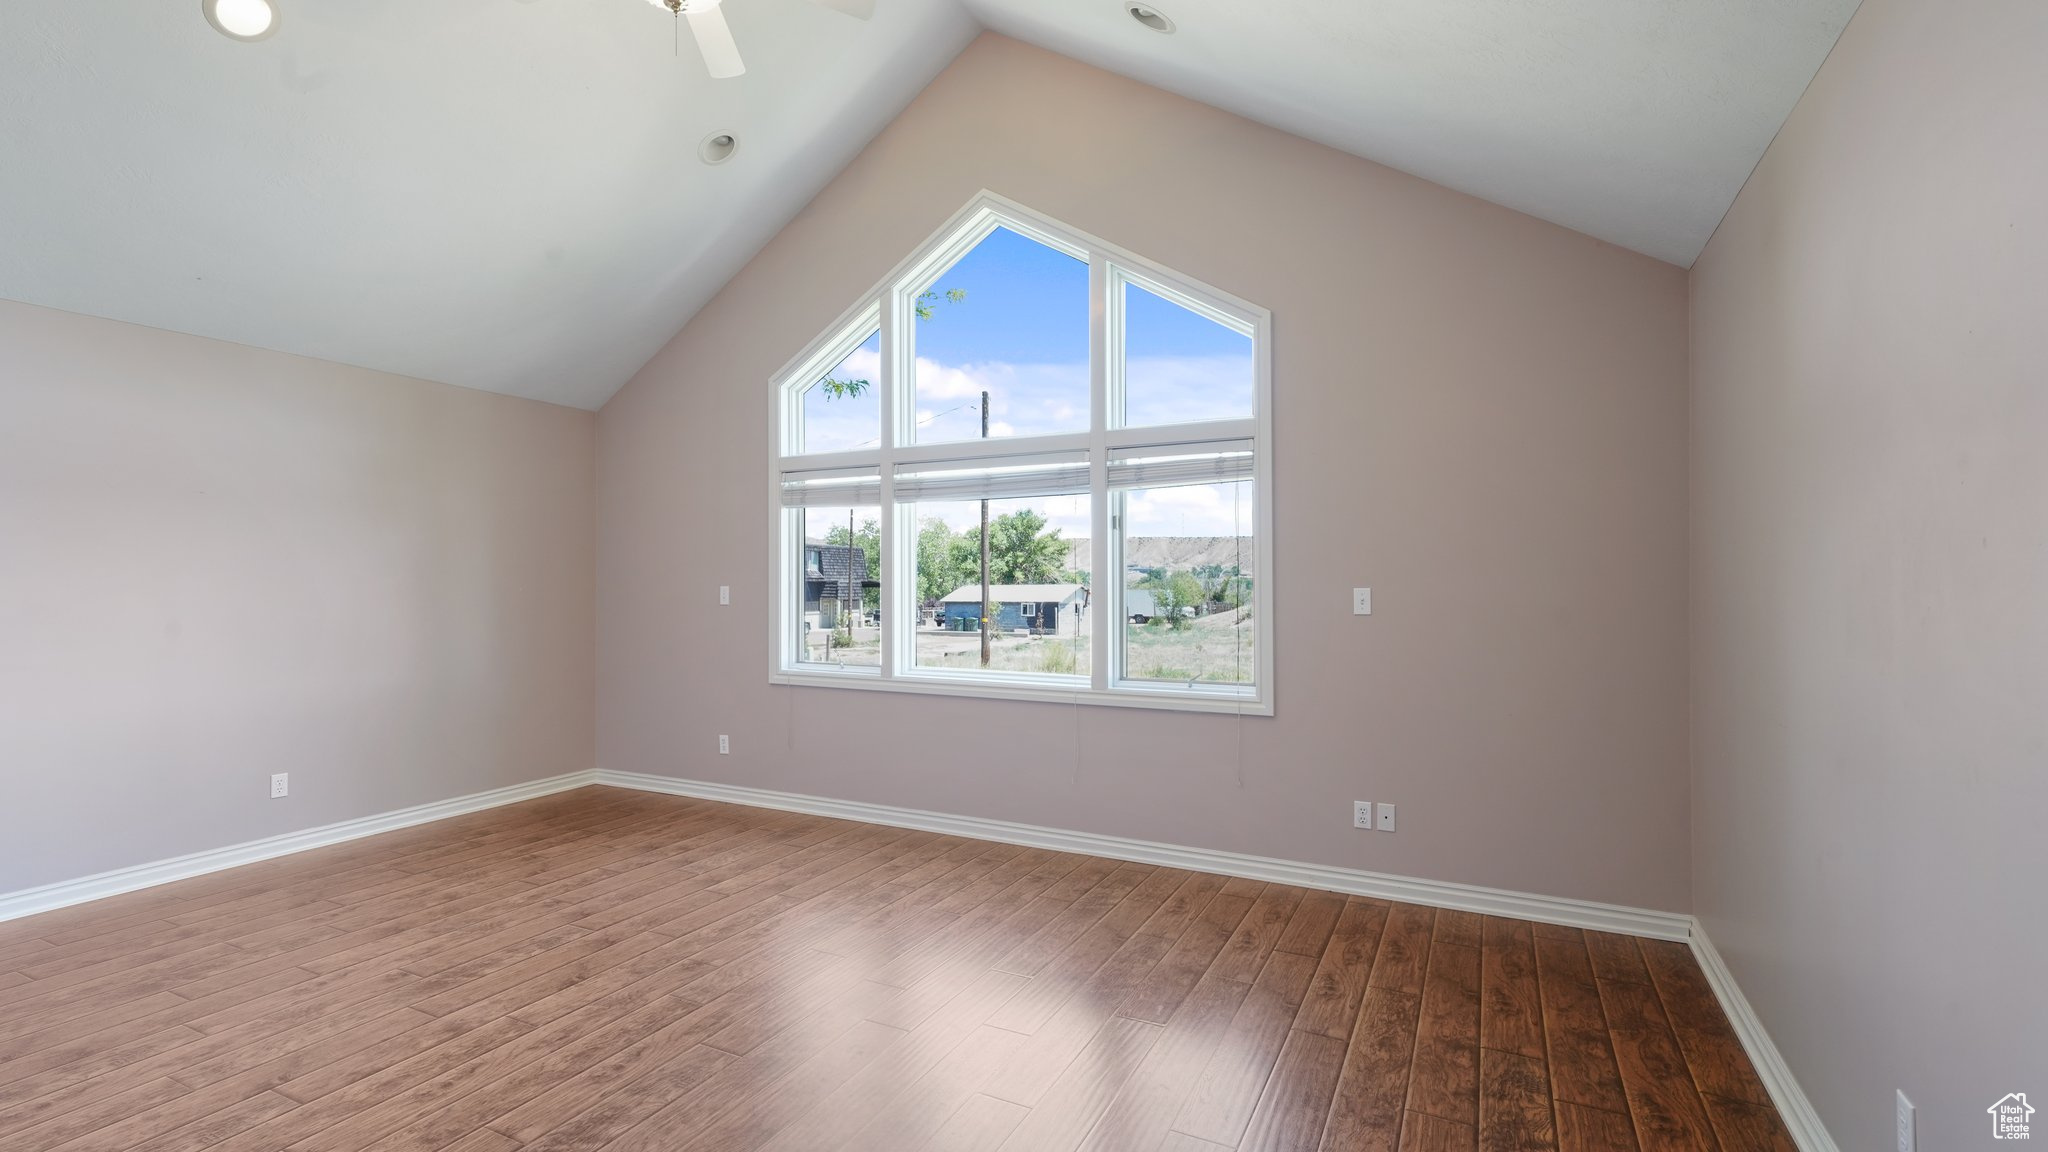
x=1191, y=510
x=1177, y=389
x=1024, y=399
x=936, y=381
x=864, y=362
x=838, y=424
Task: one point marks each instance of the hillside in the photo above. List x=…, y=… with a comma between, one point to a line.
x=1176, y=552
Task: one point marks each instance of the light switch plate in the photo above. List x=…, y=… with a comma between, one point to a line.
x=1361, y=601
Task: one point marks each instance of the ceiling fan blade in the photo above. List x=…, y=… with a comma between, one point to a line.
x=714, y=39
x=858, y=9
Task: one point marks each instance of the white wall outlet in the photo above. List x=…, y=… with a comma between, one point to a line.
x=725, y=593
x=725, y=745
x=1361, y=601
x=1906, y=1141
x=1361, y=814
x=1386, y=817
x=280, y=784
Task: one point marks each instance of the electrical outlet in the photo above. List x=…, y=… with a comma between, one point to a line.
x=1386, y=817
x=1361, y=601
x=1906, y=1141
x=280, y=784
x=725, y=593
x=1361, y=814
x=725, y=745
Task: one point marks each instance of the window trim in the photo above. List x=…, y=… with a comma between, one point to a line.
x=886, y=306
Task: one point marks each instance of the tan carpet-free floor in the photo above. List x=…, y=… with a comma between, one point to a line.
x=605, y=969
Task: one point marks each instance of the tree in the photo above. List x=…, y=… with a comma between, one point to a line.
x=1022, y=551
x=963, y=550
x=868, y=537
x=938, y=563
x=925, y=305
x=927, y=298
x=1223, y=584
x=1177, y=595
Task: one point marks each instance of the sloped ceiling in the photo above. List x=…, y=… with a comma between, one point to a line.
x=505, y=194
x=490, y=193
x=1635, y=121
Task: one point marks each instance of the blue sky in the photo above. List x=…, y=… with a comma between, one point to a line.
x=1026, y=303
x=847, y=422
x=1022, y=334
x=1180, y=366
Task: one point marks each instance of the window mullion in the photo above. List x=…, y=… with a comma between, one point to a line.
x=896, y=622
x=1103, y=596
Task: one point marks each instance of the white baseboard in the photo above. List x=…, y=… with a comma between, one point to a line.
x=1436, y=893
x=1793, y=1106
x=1799, y=1116
x=30, y=901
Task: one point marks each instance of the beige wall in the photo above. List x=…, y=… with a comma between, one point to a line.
x=217, y=563
x=1870, y=573
x=1479, y=415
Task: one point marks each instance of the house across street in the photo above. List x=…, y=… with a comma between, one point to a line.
x=1044, y=609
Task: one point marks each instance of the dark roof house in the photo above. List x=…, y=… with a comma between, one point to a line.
x=827, y=563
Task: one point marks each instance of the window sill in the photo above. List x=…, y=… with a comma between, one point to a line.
x=998, y=687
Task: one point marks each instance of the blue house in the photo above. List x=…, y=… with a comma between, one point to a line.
x=1044, y=609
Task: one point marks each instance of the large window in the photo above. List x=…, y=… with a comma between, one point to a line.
x=1029, y=465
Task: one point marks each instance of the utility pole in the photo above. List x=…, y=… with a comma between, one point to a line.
x=987, y=610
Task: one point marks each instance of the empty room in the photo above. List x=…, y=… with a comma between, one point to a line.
x=1023, y=575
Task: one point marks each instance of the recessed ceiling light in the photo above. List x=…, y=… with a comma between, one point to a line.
x=241, y=19
x=1150, y=17
x=718, y=147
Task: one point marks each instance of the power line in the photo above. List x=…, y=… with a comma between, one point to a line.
x=921, y=423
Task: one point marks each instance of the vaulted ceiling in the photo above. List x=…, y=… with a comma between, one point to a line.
x=506, y=194
x=1635, y=121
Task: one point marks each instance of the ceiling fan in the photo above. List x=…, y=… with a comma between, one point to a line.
x=714, y=37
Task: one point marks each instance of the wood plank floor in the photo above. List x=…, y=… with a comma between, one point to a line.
x=614, y=970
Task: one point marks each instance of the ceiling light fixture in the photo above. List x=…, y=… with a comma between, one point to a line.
x=1150, y=17
x=241, y=19
x=718, y=147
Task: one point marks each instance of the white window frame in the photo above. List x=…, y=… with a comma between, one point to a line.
x=888, y=306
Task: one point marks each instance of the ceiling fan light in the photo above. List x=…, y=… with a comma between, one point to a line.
x=241, y=19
